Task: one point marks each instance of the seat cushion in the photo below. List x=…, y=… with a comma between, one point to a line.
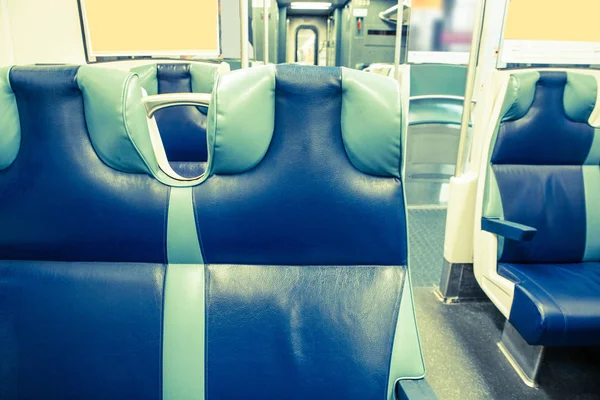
x=77, y=330
x=556, y=304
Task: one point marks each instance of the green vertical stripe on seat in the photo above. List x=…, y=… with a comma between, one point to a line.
x=10, y=127
x=407, y=359
x=183, y=322
x=593, y=157
x=183, y=246
x=591, y=184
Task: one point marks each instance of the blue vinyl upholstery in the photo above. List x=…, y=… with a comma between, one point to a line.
x=80, y=330
x=59, y=188
x=182, y=128
x=542, y=174
x=307, y=171
x=306, y=254
x=287, y=270
x=558, y=298
x=82, y=248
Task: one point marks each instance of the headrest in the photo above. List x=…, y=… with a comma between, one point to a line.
x=202, y=75
x=242, y=117
x=116, y=119
x=546, y=110
x=578, y=99
x=10, y=128
x=114, y=113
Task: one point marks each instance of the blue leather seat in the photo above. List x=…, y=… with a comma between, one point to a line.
x=286, y=268
x=541, y=199
x=83, y=240
x=182, y=128
x=303, y=230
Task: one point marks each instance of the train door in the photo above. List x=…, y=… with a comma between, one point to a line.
x=307, y=40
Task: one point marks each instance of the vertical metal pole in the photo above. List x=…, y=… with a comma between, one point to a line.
x=471, y=72
x=399, y=30
x=244, y=33
x=266, y=27
x=328, y=40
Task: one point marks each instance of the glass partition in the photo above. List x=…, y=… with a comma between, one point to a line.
x=441, y=30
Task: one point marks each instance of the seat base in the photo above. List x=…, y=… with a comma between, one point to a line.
x=555, y=304
x=458, y=284
x=414, y=389
x=524, y=358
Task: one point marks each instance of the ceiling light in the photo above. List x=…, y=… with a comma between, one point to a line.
x=305, y=5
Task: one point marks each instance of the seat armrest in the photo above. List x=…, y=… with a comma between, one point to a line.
x=508, y=229
x=414, y=390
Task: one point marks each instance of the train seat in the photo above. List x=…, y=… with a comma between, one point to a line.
x=286, y=267
x=83, y=241
x=537, y=249
x=182, y=128
x=303, y=232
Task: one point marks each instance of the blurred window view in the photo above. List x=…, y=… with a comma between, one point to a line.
x=441, y=25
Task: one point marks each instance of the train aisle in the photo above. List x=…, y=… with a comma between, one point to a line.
x=460, y=340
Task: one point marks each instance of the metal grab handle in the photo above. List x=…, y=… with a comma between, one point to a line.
x=159, y=101
x=440, y=97
x=386, y=15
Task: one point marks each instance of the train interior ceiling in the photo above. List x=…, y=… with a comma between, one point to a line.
x=363, y=199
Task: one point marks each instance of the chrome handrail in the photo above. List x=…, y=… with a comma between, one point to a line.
x=440, y=97
x=159, y=101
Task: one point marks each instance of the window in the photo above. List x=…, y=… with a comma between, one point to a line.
x=123, y=29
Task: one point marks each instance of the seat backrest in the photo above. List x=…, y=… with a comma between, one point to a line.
x=302, y=226
x=182, y=128
x=83, y=239
x=544, y=166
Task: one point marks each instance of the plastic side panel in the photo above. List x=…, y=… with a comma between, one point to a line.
x=415, y=390
x=485, y=245
x=458, y=245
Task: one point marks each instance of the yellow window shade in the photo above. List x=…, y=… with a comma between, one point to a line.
x=151, y=27
x=553, y=20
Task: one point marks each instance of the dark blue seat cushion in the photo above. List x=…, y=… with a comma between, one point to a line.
x=305, y=332
x=556, y=304
x=182, y=128
x=58, y=200
x=80, y=330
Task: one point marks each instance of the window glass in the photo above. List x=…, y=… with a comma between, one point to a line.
x=441, y=30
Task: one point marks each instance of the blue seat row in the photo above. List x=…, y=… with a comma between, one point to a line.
x=284, y=270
